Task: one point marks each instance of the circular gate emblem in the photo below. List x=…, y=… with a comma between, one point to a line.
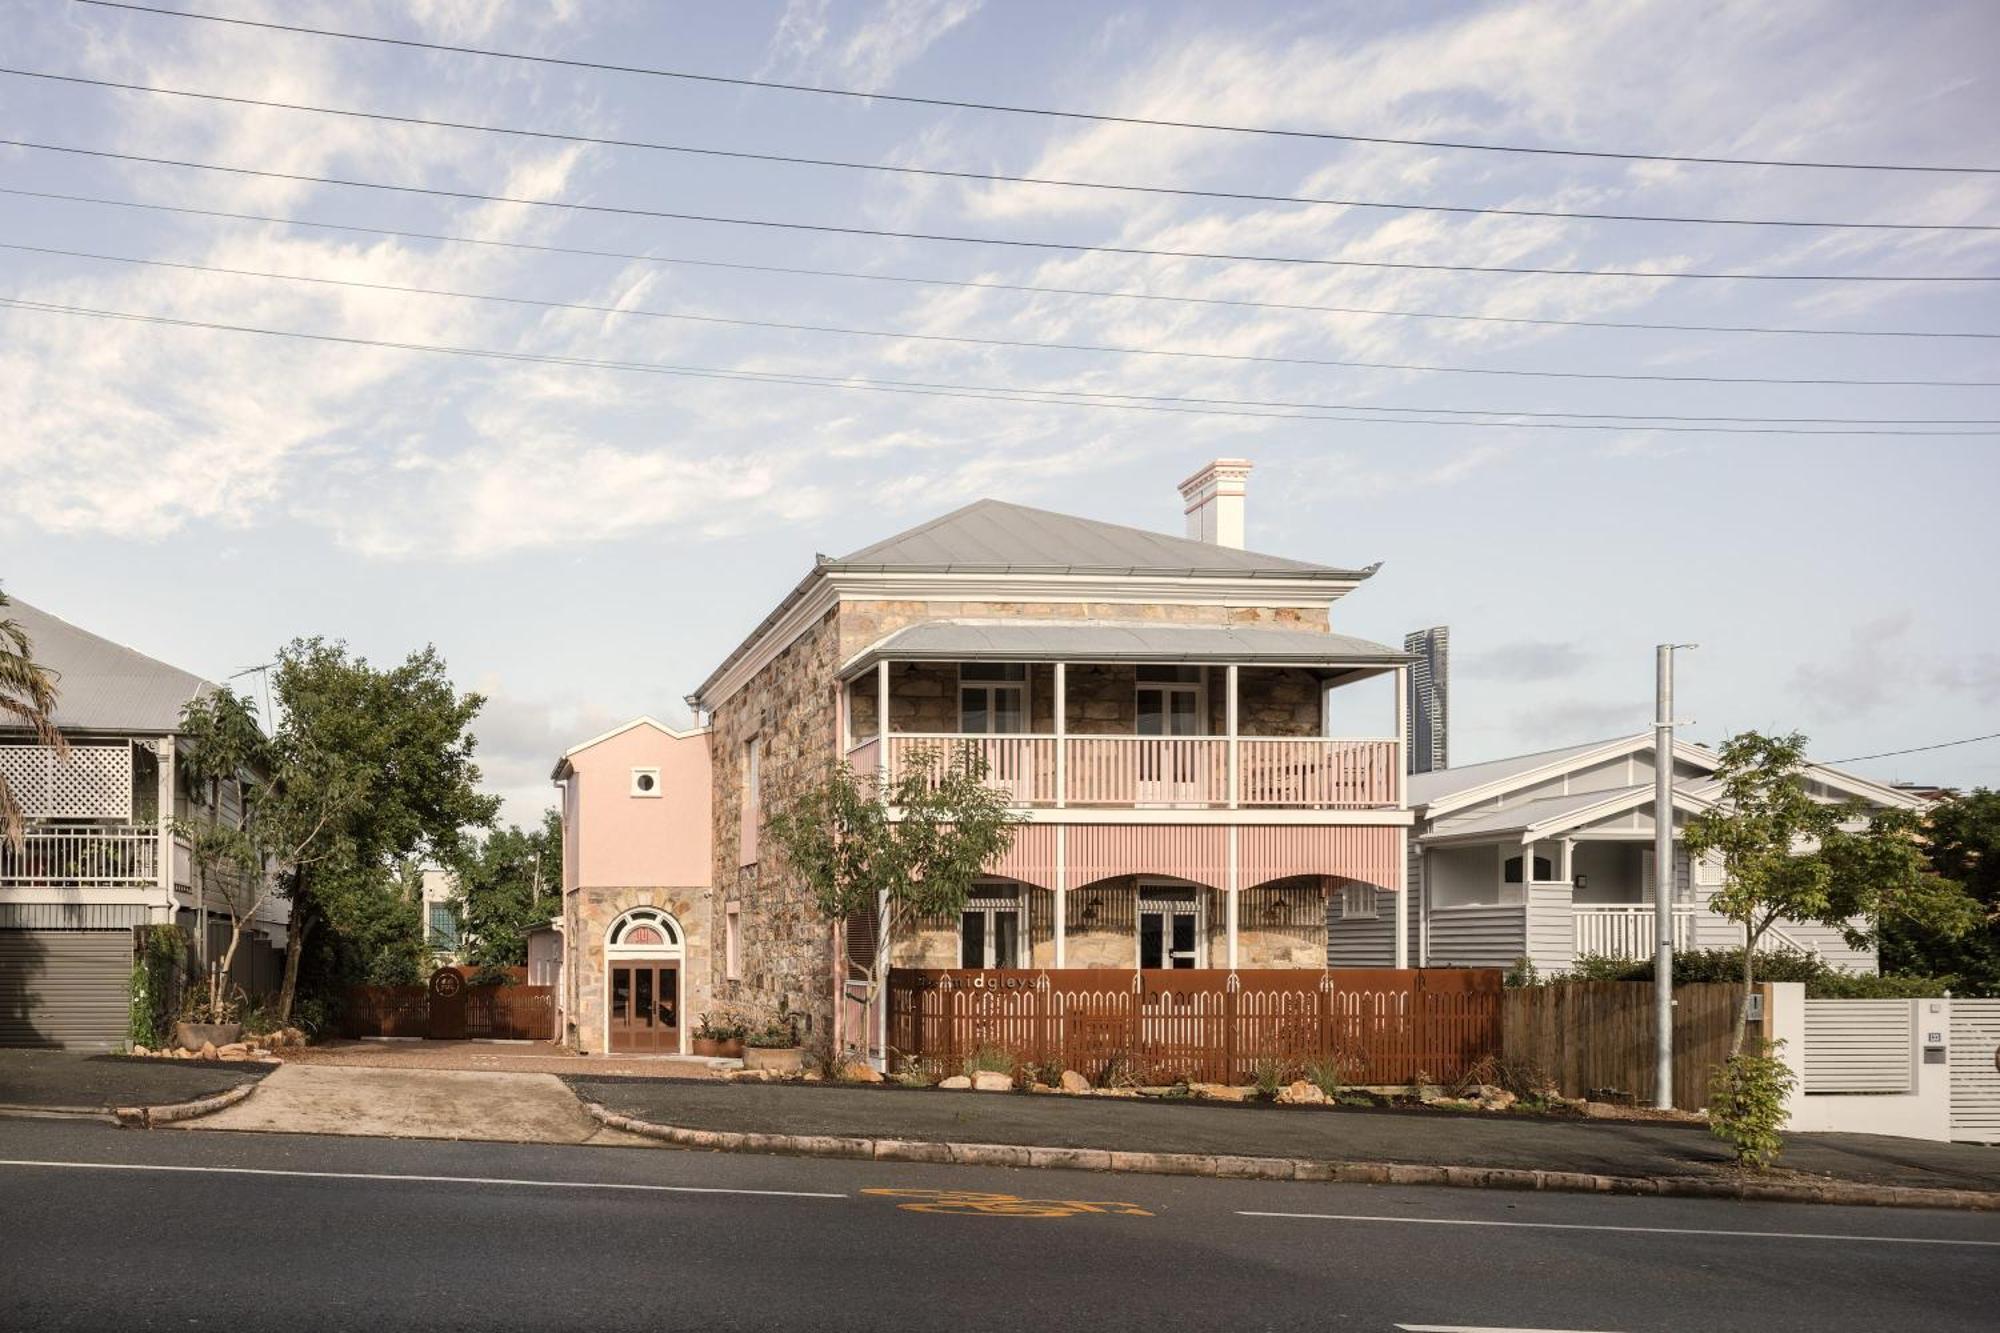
x=445, y=983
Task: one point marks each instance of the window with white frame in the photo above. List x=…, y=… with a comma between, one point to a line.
x=989, y=928
x=732, y=942
x=1358, y=902
x=992, y=698
x=1169, y=701
x=645, y=782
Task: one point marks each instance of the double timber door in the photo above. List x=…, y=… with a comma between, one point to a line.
x=646, y=1007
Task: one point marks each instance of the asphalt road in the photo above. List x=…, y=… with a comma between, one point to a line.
x=102, y=1228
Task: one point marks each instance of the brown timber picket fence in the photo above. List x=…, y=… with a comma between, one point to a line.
x=1377, y=1025
x=1596, y=1037
x=503, y=1011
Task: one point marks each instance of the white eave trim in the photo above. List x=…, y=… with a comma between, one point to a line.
x=643, y=720
x=1459, y=800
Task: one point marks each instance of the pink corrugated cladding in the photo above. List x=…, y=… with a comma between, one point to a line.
x=1366, y=853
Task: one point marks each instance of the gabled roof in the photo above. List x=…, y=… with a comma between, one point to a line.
x=643, y=720
x=1552, y=816
x=102, y=685
x=1428, y=788
x=1111, y=641
x=993, y=536
x=1438, y=794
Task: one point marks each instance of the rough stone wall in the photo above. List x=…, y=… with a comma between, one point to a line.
x=1277, y=701
x=786, y=945
x=1282, y=924
x=589, y=915
x=1101, y=699
x=865, y=623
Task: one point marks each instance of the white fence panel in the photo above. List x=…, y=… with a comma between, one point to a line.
x=1859, y=1046
x=1975, y=1071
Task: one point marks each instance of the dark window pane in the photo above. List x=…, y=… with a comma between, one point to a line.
x=972, y=715
x=642, y=1000
x=621, y=993
x=1183, y=939
x=972, y=940
x=1512, y=874
x=1006, y=939
x=1152, y=928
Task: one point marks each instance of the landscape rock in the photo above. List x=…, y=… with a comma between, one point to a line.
x=1074, y=1082
x=208, y=1051
x=1116, y=1092
x=234, y=1048
x=987, y=1080
x=1601, y=1111
x=858, y=1071
x=140, y=1050
x=956, y=1081
x=1495, y=1099
x=1301, y=1093
x=1221, y=1092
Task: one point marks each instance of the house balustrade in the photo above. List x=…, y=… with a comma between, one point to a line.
x=1176, y=771
x=69, y=854
x=1627, y=931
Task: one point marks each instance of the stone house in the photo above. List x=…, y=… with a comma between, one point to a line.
x=1209, y=774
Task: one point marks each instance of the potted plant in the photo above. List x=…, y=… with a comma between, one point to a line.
x=719, y=1037
x=775, y=1046
x=208, y=1020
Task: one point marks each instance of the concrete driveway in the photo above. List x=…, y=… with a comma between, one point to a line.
x=415, y=1104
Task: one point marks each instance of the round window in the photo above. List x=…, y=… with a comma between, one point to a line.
x=645, y=782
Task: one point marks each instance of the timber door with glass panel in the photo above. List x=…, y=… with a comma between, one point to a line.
x=1170, y=706
x=993, y=701
x=989, y=931
x=1169, y=928
x=646, y=1007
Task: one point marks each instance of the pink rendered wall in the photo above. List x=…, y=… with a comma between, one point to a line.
x=628, y=840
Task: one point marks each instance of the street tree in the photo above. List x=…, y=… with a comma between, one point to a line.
x=1788, y=854
x=28, y=700
x=258, y=813
x=893, y=851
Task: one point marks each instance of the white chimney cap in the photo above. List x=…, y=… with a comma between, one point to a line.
x=1214, y=496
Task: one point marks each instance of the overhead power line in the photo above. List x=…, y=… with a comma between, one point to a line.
x=1169, y=403
x=1918, y=749
x=990, y=177
x=1014, y=343
x=984, y=285
x=1015, y=109
x=1075, y=247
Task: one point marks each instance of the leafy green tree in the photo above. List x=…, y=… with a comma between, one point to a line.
x=1786, y=854
x=258, y=814
x=399, y=739
x=1962, y=842
x=27, y=699
x=508, y=886
x=895, y=852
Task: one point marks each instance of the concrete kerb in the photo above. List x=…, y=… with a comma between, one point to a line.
x=145, y=1117
x=1229, y=1167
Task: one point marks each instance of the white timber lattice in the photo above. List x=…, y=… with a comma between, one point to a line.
x=90, y=782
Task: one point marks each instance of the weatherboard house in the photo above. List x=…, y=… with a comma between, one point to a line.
x=100, y=855
x=1210, y=774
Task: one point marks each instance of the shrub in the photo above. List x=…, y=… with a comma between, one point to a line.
x=1270, y=1075
x=989, y=1060
x=1522, y=973
x=912, y=1073
x=1822, y=980
x=1746, y=1104
x=1868, y=986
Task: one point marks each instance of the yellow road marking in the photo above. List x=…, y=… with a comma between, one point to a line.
x=976, y=1202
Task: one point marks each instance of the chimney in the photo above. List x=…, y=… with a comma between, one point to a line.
x=1214, y=498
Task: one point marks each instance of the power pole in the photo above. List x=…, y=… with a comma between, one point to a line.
x=1663, y=876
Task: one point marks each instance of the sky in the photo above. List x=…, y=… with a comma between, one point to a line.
x=583, y=544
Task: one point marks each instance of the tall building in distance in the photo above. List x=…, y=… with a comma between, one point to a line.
x=1426, y=730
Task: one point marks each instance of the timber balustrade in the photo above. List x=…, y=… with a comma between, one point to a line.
x=1374, y=1025
x=1192, y=771
x=83, y=854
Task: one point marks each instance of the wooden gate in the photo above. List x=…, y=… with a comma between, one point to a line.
x=450, y=1008
x=1204, y=1025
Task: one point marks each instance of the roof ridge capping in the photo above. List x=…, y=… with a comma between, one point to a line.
x=991, y=535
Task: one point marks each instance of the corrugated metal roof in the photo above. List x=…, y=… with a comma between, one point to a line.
x=1427, y=787
x=992, y=536
x=104, y=686
x=1109, y=641
x=1520, y=818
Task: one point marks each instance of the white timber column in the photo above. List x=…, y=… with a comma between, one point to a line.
x=1235, y=780
x=882, y=715
x=1062, y=880
x=1400, y=776
x=1403, y=898
x=1062, y=759
x=1230, y=910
